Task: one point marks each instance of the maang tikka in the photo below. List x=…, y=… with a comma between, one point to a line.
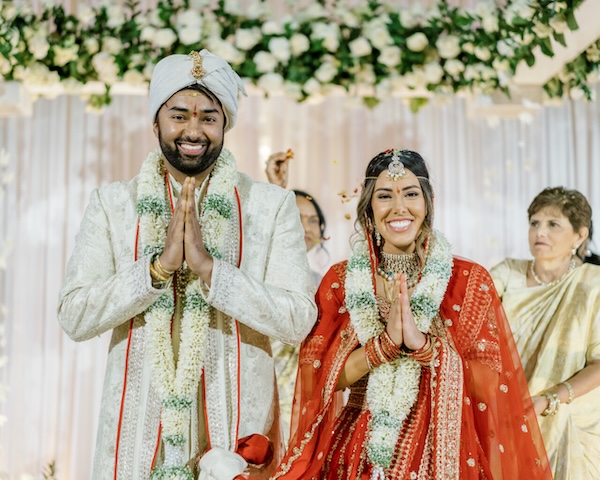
x=396, y=168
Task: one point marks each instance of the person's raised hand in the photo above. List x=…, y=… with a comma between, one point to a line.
x=172, y=255
x=277, y=167
x=401, y=325
x=197, y=258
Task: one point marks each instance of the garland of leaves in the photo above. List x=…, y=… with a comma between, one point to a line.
x=371, y=50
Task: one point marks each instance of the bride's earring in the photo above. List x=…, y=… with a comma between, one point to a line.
x=377, y=238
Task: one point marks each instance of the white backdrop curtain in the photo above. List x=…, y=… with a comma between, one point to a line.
x=484, y=172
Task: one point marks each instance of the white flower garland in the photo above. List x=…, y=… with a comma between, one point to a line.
x=177, y=386
x=393, y=388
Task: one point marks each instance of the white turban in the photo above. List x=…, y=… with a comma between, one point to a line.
x=175, y=72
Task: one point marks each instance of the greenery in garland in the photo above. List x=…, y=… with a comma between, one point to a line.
x=371, y=50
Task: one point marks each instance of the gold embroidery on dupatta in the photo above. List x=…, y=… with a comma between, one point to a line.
x=478, y=336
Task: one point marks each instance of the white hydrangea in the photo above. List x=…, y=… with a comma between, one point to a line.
x=226, y=50
x=91, y=45
x=329, y=33
x=501, y=64
x=147, y=34
x=188, y=18
x=505, y=49
x=234, y=7
x=311, y=86
x=454, y=67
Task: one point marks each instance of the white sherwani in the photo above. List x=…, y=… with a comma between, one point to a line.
x=271, y=295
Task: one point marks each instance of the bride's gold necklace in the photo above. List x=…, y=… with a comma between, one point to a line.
x=390, y=264
x=537, y=279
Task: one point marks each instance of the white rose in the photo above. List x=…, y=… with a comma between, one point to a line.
x=559, y=25
x=505, y=49
x=415, y=79
x=360, y=47
x=448, y=46
x=199, y=4
x=164, y=38
x=189, y=18
x=247, y=38
x=593, y=77
x=227, y=52
x=483, y=53
x=91, y=45
x=136, y=60
x=116, y=16
x=471, y=73
x=329, y=33
x=112, y=45
x=272, y=28
x=377, y=33
x=64, y=55
x=468, y=47
x=4, y=66
x=501, y=65
x=528, y=37
x=293, y=90
x=271, y=82
x=38, y=46
x=234, y=7
x=417, y=42
x=433, y=72
x=299, y=43
x=85, y=14
x=133, y=77
x=311, y=86
x=280, y=48
x=541, y=30
x=576, y=93
x=347, y=17
x=147, y=34
x=190, y=35
x=265, y=62
x=454, y=67
x=366, y=76
x=560, y=6
x=258, y=8
x=490, y=23
x=331, y=43
x=315, y=10
x=105, y=66
x=485, y=8
x=488, y=73
x=326, y=72
x=390, y=56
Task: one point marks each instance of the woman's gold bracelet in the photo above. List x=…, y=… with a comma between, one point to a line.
x=553, y=404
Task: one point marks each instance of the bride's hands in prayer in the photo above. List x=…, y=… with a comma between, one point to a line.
x=401, y=326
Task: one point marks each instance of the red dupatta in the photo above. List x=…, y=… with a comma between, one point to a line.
x=473, y=419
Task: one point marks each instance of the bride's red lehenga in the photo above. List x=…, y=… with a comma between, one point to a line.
x=473, y=418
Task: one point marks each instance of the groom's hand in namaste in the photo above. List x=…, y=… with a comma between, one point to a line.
x=172, y=256
x=198, y=259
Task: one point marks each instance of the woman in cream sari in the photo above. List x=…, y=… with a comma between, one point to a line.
x=553, y=305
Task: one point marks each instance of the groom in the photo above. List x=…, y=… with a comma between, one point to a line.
x=193, y=266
